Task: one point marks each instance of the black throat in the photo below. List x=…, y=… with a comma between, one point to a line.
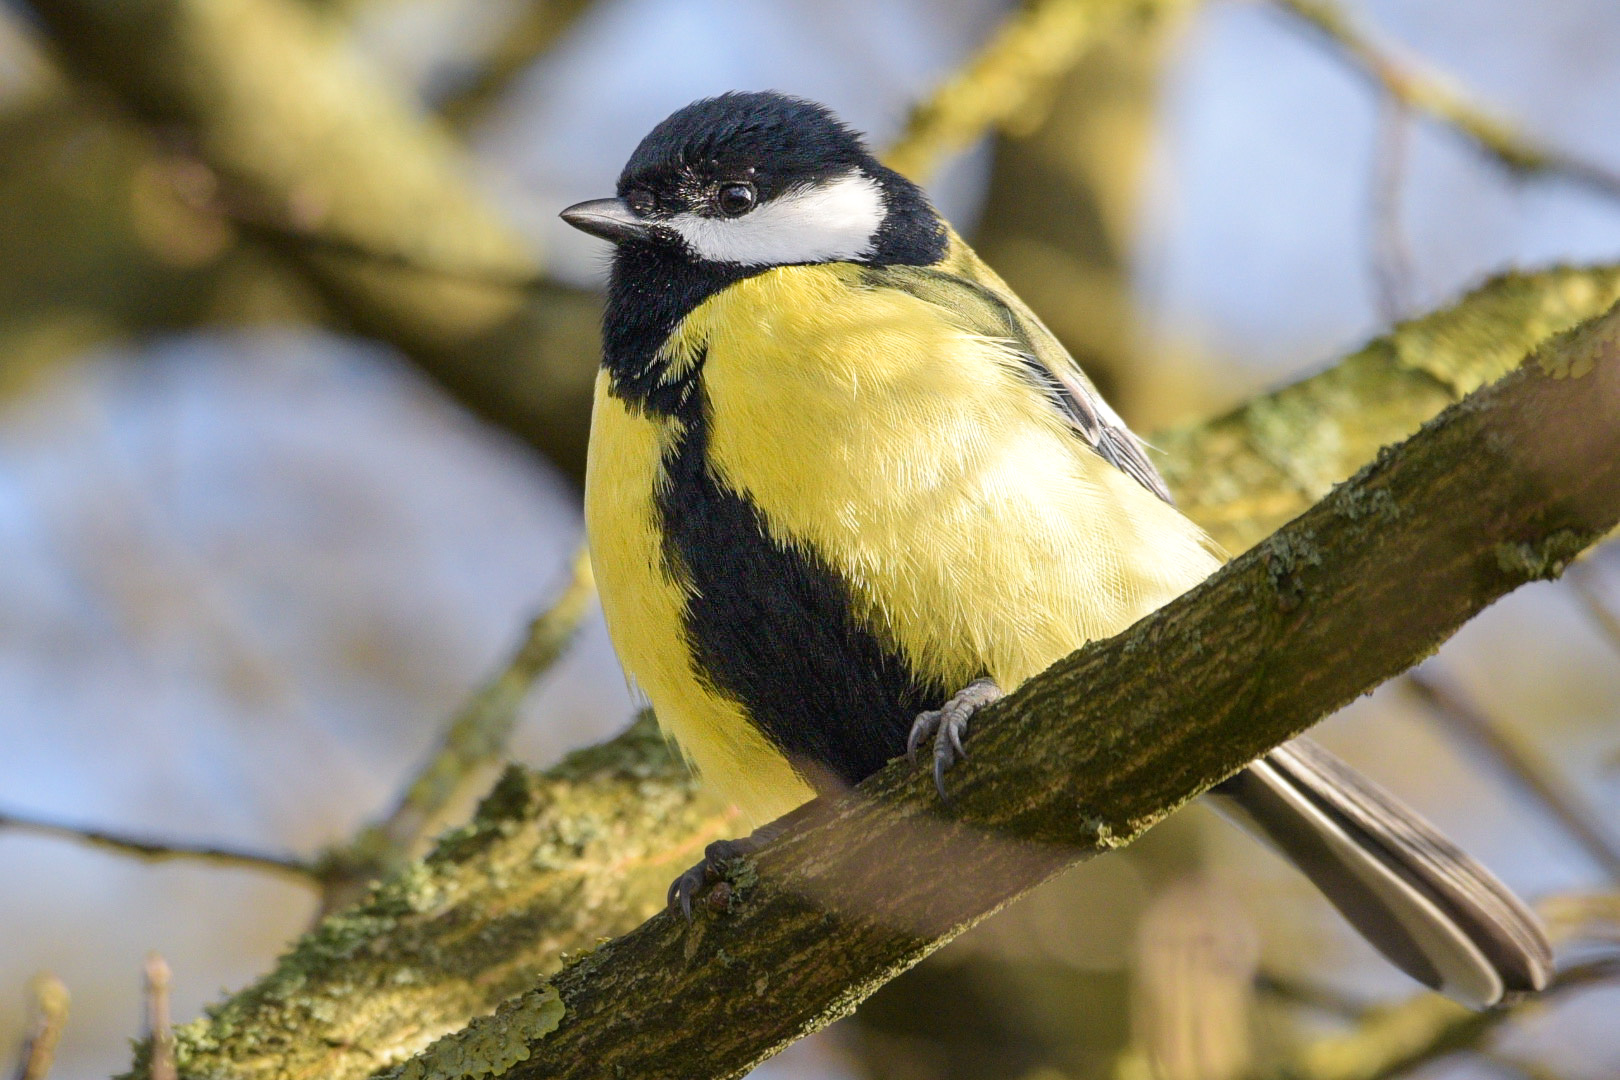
x=653, y=287
x=655, y=284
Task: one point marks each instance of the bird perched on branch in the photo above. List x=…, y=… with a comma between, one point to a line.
x=844, y=488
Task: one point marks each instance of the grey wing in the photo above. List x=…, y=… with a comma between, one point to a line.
x=1046, y=363
x=1102, y=427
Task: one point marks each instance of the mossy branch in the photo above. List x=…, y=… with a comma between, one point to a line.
x=555, y=862
x=1504, y=488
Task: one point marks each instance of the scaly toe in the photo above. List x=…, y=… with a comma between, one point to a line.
x=684, y=889
x=712, y=869
x=922, y=730
x=947, y=726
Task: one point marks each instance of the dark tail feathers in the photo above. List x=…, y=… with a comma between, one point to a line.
x=1427, y=906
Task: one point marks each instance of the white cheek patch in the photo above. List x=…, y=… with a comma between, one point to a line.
x=829, y=222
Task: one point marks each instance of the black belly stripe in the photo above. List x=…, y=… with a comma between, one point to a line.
x=771, y=627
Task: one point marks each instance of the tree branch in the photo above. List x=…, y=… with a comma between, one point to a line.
x=1532, y=776
x=1008, y=81
x=1391, y=1041
x=1504, y=488
x=1427, y=93
x=297, y=127
x=150, y=849
x=558, y=861
x=474, y=741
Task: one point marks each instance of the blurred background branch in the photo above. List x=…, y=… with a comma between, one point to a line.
x=150, y=849
x=535, y=29
x=1009, y=84
x=295, y=125
x=1427, y=93
x=1394, y=1041
x=48, y=1001
x=1519, y=765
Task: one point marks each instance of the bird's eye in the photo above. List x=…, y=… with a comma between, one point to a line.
x=735, y=199
x=641, y=201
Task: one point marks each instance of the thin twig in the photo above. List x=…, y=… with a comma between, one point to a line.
x=150, y=849
x=1583, y=578
x=1391, y=253
x=474, y=739
x=1581, y=917
x=1428, y=93
x=1394, y=1041
x=1010, y=79
x=159, y=1029
x=1519, y=765
x=1318, y=997
x=49, y=1004
x=531, y=35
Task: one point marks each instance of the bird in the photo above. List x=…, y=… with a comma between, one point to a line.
x=844, y=488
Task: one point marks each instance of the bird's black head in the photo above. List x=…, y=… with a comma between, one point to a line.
x=746, y=181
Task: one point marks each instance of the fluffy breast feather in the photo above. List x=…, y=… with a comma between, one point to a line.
x=976, y=530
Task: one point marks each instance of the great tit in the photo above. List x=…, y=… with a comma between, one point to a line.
x=843, y=488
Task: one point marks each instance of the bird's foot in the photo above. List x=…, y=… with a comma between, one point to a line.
x=718, y=859
x=947, y=725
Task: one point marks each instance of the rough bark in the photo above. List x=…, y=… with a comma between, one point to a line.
x=551, y=865
x=493, y=909
x=1504, y=488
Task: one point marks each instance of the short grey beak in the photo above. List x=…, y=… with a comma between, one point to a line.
x=611, y=219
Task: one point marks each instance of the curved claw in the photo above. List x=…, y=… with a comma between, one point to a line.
x=712, y=869
x=941, y=763
x=947, y=726
x=687, y=886
x=922, y=730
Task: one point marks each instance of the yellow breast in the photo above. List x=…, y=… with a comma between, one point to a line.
x=643, y=606
x=976, y=532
